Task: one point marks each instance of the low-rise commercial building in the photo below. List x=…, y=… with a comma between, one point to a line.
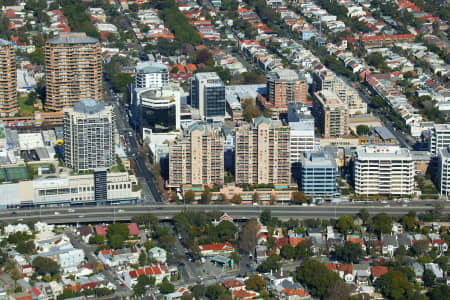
x=384, y=170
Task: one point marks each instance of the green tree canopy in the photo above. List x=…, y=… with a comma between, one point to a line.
x=394, y=285
x=381, y=223
x=166, y=287
x=345, y=224
x=44, y=265
x=349, y=253
x=362, y=130
x=255, y=283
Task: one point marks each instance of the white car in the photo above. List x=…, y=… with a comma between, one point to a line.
x=56, y=213
x=71, y=210
x=120, y=211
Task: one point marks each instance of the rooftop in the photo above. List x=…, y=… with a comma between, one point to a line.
x=151, y=67
x=316, y=159
x=383, y=152
x=73, y=38
x=285, y=74
x=4, y=42
x=89, y=106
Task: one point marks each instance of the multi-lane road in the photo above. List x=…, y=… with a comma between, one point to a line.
x=96, y=214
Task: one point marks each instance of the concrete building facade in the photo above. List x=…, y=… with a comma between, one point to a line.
x=331, y=114
x=439, y=138
x=8, y=79
x=208, y=95
x=442, y=179
x=384, y=170
x=318, y=174
x=262, y=153
x=302, y=131
x=73, y=70
x=196, y=157
x=286, y=86
x=151, y=75
x=89, y=136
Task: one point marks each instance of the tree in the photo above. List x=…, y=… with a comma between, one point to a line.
x=142, y=259
x=340, y=291
x=409, y=223
x=364, y=215
x=298, y=197
x=116, y=241
x=440, y=292
x=420, y=247
x=215, y=291
x=288, y=252
x=247, y=238
x=142, y=282
x=146, y=219
x=272, y=263
x=381, y=223
x=255, y=283
x=266, y=217
x=394, y=285
x=206, y=196
x=236, y=199
x=302, y=250
x=255, y=197
x=166, y=287
x=442, y=261
x=316, y=277
x=189, y=196
x=345, y=224
x=362, y=130
x=428, y=278
x=349, y=253
x=120, y=229
x=44, y=265
x=25, y=247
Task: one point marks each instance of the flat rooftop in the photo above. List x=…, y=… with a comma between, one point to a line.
x=73, y=38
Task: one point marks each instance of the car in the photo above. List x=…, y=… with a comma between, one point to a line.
x=80, y=216
x=27, y=214
x=120, y=211
x=56, y=213
x=20, y=219
x=71, y=210
x=14, y=213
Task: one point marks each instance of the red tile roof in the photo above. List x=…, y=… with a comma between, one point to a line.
x=233, y=283
x=133, y=274
x=217, y=247
x=379, y=271
x=101, y=230
x=292, y=292
x=133, y=229
x=347, y=268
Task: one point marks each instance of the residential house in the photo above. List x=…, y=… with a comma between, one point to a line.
x=160, y=272
x=158, y=254
x=390, y=244
x=441, y=245
x=346, y=272
x=178, y=294
x=233, y=284
x=437, y=271
x=260, y=253
x=397, y=228
x=418, y=270
x=378, y=271
x=362, y=273
x=214, y=249
x=85, y=232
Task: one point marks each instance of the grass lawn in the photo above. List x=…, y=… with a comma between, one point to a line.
x=25, y=109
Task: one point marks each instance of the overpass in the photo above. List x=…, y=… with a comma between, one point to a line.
x=100, y=214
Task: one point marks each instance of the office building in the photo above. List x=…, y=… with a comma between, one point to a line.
x=325, y=79
x=318, y=174
x=151, y=75
x=89, y=136
x=439, y=138
x=286, y=86
x=196, y=157
x=70, y=190
x=262, y=152
x=73, y=70
x=158, y=109
x=384, y=170
x=8, y=80
x=442, y=179
x=208, y=95
x=331, y=114
x=302, y=131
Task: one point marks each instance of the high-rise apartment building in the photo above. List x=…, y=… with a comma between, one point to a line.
x=208, y=95
x=331, y=114
x=262, y=152
x=325, y=79
x=439, y=138
x=442, y=179
x=286, y=86
x=73, y=70
x=384, y=170
x=196, y=157
x=89, y=136
x=8, y=79
x=151, y=75
x=302, y=131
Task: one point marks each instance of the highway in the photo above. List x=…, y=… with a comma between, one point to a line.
x=96, y=214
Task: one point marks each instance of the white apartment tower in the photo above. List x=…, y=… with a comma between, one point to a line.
x=384, y=170
x=439, y=138
x=443, y=176
x=151, y=75
x=89, y=136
